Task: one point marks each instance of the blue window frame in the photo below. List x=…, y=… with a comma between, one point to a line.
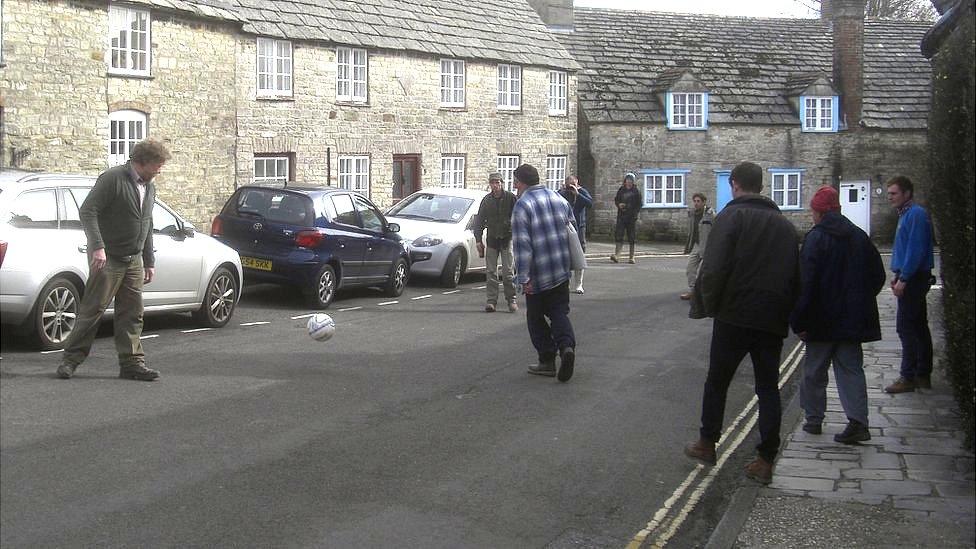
x=687, y=111
x=819, y=113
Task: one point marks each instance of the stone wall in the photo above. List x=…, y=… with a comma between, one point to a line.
x=826, y=159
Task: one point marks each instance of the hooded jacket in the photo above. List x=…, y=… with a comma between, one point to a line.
x=841, y=273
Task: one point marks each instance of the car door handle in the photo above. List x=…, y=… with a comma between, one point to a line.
x=83, y=249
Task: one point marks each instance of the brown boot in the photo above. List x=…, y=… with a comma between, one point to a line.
x=923, y=382
x=901, y=385
x=760, y=470
x=702, y=450
x=632, y=260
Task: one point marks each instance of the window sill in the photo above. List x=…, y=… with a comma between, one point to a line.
x=111, y=74
x=500, y=110
x=273, y=98
x=449, y=108
x=348, y=103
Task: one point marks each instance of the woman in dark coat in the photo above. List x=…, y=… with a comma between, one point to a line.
x=629, y=203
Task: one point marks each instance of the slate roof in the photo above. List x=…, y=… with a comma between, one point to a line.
x=748, y=65
x=212, y=9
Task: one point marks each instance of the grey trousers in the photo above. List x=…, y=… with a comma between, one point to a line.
x=694, y=263
x=848, y=360
x=492, y=255
x=123, y=282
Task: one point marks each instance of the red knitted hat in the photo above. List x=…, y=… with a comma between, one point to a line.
x=825, y=200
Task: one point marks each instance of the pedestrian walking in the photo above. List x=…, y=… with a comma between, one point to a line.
x=628, y=202
x=579, y=199
x=117, y=219
x=700, y=218
x=748, y=282
x=841, y=273
x=542, y=266
x=495, y=217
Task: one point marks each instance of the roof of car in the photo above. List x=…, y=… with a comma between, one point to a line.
x=24, y=178
x=464, y=193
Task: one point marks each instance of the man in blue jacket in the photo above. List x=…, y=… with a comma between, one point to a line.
x=912, y=261
x=841, y=273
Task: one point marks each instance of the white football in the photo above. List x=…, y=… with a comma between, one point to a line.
x=321, y=327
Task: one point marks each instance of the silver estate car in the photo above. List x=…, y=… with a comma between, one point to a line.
x=44, y=261
x=434, y=224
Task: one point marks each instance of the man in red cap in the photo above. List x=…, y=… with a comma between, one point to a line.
x=841, y=273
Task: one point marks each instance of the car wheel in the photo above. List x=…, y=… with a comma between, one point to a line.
x=56, y=313
x=219, y=300
x=324, y=288
x=398, y=278
x=453, y=267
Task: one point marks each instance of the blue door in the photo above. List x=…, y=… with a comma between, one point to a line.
x=723, y=192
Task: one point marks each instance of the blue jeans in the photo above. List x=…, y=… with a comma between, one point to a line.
x=913, y=328
x=730, y=344
x=848, y=360
x=552, y=335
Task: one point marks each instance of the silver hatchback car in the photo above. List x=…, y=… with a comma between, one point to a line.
x=44, y=261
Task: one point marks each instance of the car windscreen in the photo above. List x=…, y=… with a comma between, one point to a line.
x=432, y=207
x=274, y=205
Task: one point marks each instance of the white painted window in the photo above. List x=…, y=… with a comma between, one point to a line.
x=557, y=93
x=272, y=169
x=687, y=111
x=274, y=68
x=665, y=189
x=128, y=41
x=125, y=129
x=452, y=172
x=351, y=75
x=452, y=83
x=818, y=114
x=785, y=190
x=354, y=173
x=506, y=167
x=555, y=171
x=509, y=87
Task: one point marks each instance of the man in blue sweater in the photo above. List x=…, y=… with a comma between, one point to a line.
x=912, y=261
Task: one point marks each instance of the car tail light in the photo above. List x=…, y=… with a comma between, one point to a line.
x=309, y=239
x=3, y=251
x=217, y=227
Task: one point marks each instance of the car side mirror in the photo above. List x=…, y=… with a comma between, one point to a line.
x=393, y=227
x=188, y=230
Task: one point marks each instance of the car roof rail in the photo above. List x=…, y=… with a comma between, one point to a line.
x=30, y=178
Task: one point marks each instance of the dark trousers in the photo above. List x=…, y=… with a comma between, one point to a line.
x=730, y=344
x=628, y=226
x=556, y=333
x=913, y=328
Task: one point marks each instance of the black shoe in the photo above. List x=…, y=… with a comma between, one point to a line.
x=567, y=359
x=853, y=433
x=813, y=428
x=65, y=370
x=547, y=369
x=138, y=373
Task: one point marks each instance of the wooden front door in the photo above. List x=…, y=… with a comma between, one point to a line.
x=406, y=175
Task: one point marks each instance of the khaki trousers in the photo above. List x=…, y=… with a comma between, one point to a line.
x=492, y=256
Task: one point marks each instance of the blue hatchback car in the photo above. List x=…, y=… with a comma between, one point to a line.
x=321, y=239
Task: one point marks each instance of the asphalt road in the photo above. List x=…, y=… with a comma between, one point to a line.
x=416, y=426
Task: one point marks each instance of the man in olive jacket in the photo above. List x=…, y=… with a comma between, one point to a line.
x=495, y=215
x=117, y=218
x=748, y=282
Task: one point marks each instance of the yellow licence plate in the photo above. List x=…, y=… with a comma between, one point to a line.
x=255, y=263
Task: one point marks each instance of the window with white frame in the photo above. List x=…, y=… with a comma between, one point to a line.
x=351, y=75
x=557, y=92
x=818, y=114
x=272, y=169
x=452, y=172
x=785, y=189
x=509, y=87
x=128, y=41
x=354, y=173
x=555, y=171
x=664, y=189
x=506, y=167
x=687, y=111
x=125, y=129
x=274, y=68
x=452, y=83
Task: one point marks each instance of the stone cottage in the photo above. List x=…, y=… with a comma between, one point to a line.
x=381, y=97
x=680, y=99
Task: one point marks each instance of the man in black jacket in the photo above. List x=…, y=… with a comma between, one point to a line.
x=495, y=216
x=841, y=273
x=748, y=282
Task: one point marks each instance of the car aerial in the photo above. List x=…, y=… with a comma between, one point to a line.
x=434, y=223
x=319, y=239
x=44, y=260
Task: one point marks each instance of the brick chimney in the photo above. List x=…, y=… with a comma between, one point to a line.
x=556, y=14
x=847, y=22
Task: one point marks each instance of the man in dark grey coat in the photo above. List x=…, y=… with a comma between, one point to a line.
x=117, y=218
x=748, y=282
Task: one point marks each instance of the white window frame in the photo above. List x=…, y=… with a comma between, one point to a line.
x=509, y=87
x=558, y=93
x=452, y=83
x=281, y=169
x=555, y=171
x=124, y=59
x=687, y=111
x=452, y=172
x=352, y=75
x=819, y=113
x=274, y=68
x=665, y=189
x=354, y=173
x=786, y=189
x=125, y=129
x=506, y=164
